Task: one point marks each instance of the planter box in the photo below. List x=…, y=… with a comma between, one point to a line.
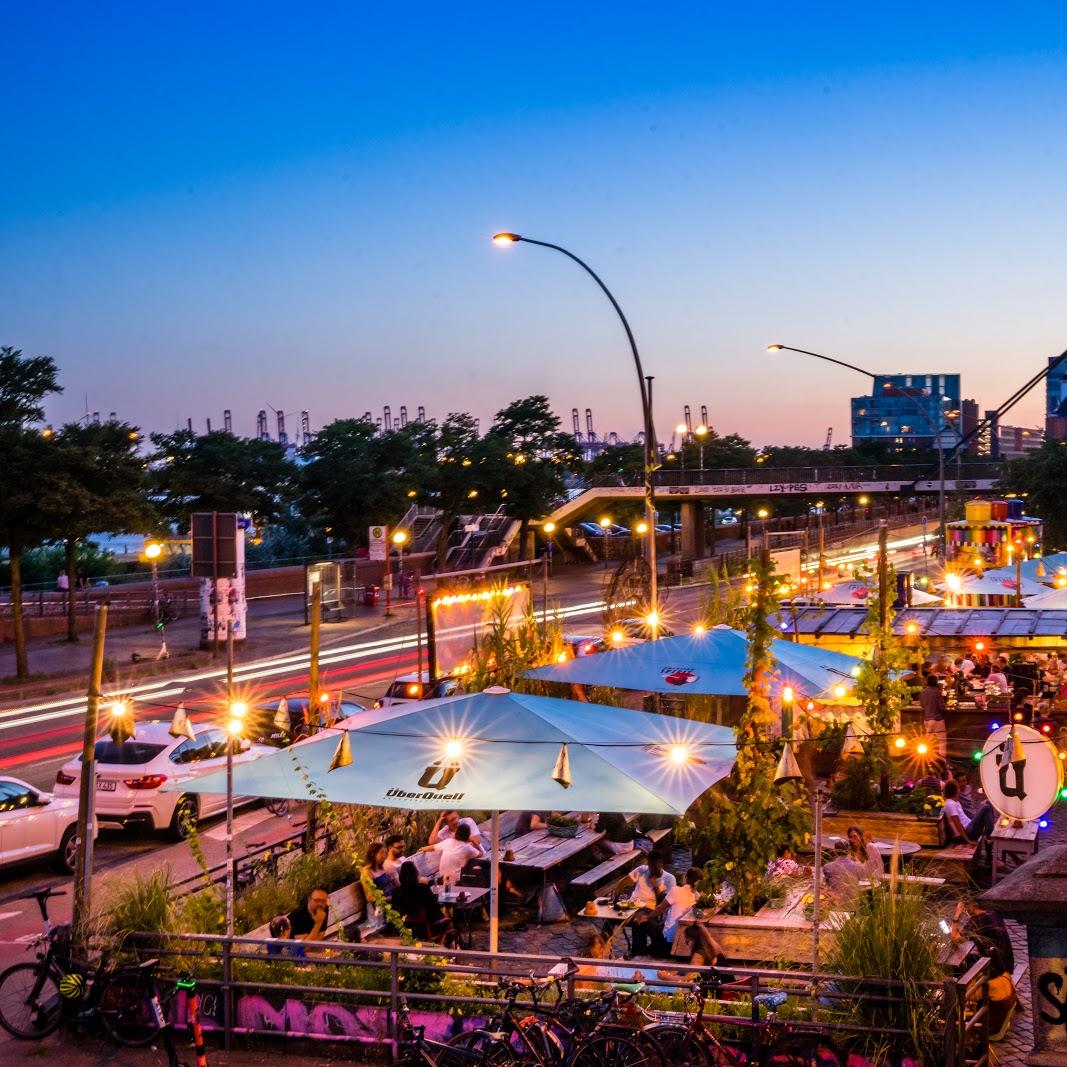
x=887, y=826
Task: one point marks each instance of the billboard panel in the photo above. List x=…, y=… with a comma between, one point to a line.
x=459, y=619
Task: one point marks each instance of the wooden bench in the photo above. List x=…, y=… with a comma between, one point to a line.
x=584, y=884
x=951, y=864
x=347, y=906
x=886, y=826
x=1017, y=842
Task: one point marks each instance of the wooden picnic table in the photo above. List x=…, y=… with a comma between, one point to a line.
x=539, y=852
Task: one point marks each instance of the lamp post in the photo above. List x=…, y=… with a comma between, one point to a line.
x=235, y=728
x=548, y=529
x=701, y=432
x=400, y=538
x=941, y=536
x=505, y=239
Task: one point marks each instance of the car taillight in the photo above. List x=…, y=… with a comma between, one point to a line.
x=146, y=781
x=62, y=778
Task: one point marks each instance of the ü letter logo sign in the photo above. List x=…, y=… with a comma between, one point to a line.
x=439, y=774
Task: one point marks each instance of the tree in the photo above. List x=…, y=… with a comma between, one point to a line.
x=617, y=465
x=457, y=471
x=720, y=453
x=24, y=383
x=354, y=477
x=535, y=457
x=746, y=819
x=99, y=486
x=1039, y=477
x=219, y=472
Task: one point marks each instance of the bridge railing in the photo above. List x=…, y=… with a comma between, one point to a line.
x=815, y=476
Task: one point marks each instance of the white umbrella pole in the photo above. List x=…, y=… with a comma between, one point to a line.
x=494, y=885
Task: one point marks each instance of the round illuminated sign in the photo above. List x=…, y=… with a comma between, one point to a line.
x=1020, y=779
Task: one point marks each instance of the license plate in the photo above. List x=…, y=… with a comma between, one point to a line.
x=106, y=786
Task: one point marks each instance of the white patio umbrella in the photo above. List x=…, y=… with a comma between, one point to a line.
x=495, y=751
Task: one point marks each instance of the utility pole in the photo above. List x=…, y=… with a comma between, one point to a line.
x=879, y=648
x=312, y=827
x=230, y=741
x=83, y=868
x=418, y=625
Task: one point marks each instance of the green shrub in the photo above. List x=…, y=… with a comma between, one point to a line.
x=854, y=791
x=141, y=903
x=891, y=935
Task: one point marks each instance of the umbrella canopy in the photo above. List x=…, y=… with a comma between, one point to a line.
x=992, y=584
x=1051, y=565
x=497, y=750
x=1049, y=600
x=711, y=663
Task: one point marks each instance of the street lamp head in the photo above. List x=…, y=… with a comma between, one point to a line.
x=680, y=428
x=549, y=527
x=700, y=431
x=153, y=550
x=605, y=522
x=762, y=513
x=641, y=528
x=774, y=348
x=400, y=537
x=503, y=239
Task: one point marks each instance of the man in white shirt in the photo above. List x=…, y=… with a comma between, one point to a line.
x=445, y=828
x=455, y=853
x=680, y=901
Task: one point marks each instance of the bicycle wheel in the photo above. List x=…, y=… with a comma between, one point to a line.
x=30, y=1004
x=488, y=1047
x=608, y=1050
x=803, y=1050
x=678, y=1045
x=126, y=1010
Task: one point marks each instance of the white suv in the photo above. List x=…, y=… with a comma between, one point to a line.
x=35, y=824
x=130, y=776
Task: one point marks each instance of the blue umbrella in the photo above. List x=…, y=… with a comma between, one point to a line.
x=493, y=751
x=1051, y=564
x=710, y=663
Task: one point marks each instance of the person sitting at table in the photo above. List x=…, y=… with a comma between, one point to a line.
x=619, y=835
x=998, y=676
x=702, y=950
x=865, y=853
x=310, y=920
x=965, y=792
x=786, y=866
x=991, y=939
x=447, y=824
x=373, y=875
x=418, y=906
x=395, y=847
x=455, y=852
x=957, y=831
x=282, y=943
x=655, y=935
x=651, y=883
x=529, y=821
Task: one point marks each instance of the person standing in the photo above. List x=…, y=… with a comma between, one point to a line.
x=932, y=701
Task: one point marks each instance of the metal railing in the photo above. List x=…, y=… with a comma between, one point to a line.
x=372, y=981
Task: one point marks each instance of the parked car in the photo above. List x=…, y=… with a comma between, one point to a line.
x=34, y=824
x=408, y=688
x=263, y=729
x=576, y=645
x=130, y=777
x=594, y=529
x=636, y=629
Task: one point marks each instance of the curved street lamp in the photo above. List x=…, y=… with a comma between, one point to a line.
x=941, y=533
x=644, y=385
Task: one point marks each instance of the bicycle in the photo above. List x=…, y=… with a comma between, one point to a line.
x=771, y=1043
x=415, y=1049
x=36, y=997
x=574, y=1033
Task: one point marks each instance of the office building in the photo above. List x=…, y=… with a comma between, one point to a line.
x=1056, y=402
x=906, y=411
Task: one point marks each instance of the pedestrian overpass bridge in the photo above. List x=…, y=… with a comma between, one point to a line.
x=674, y=488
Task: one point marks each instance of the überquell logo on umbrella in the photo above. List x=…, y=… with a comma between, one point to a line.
x=679, y=675
x=435, y=779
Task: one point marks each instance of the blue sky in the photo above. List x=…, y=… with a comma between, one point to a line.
x=291, y=206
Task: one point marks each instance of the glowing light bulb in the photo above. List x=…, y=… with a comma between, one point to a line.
x=699, y=629
x=453, y=749
x=787, y=695
x=679, y=754
x=900, y=743
x=922, y=748
x=840, y=691
x=238, y=709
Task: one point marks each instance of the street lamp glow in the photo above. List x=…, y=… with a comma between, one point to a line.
x=774, y=348
x=641, y=528
x=680, y=428
x=700, y=431
x=679, y=754
x=400, y=537
x=453, y=748
x=238, y=709
x=549, y=527
x=153, y=550
x=863, y=501
x=652, y=618
x=605, y=522
x=504, y=239
x=762, y=513
x=840, y=691
x=787, y=695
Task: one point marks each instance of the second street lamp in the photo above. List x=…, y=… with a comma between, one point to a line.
x=645, y=388
x=939, y=431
